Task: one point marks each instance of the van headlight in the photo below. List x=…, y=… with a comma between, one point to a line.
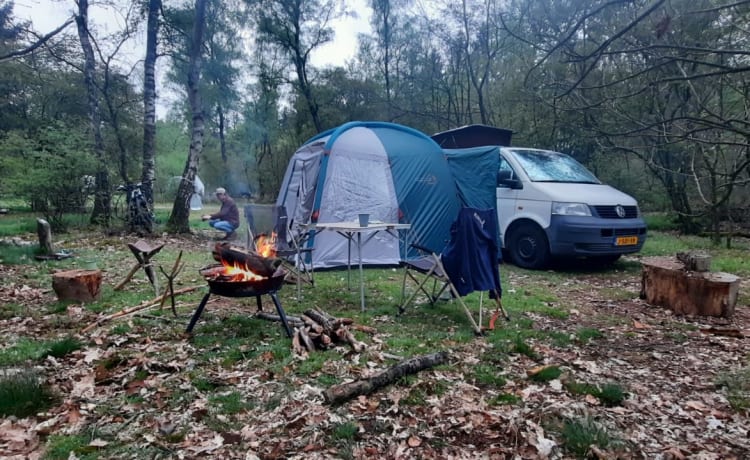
x=570, y=209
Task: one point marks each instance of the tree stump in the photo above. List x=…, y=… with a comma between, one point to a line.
x=45, y=236
x=78, y=285
x=667, y=283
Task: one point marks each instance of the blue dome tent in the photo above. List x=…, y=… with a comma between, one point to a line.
x=394, y=173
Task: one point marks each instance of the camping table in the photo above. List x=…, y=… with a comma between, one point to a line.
x=348, y=230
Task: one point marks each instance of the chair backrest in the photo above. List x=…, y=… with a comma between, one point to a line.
x=250, y=219
x=471, y=257
x=281, y=224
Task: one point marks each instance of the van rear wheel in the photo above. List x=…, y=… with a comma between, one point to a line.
x=529, y=247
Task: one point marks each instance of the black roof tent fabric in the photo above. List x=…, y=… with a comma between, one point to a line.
x=473, y=136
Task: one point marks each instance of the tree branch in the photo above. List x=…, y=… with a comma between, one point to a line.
x=38, y=43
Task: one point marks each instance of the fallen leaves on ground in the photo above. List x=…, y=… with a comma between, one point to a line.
x=138, y=389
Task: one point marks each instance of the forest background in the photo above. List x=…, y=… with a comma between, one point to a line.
x=653, y=96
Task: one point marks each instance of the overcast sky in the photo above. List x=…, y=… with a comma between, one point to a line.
x=46, y=15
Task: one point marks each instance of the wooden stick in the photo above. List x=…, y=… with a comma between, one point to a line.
x=176, y=269
x=128, y=277
x=291, y=320
x=340, y=393
x=305, y=339
x=141, y=306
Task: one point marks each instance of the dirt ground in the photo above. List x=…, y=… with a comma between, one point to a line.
x=669, y=366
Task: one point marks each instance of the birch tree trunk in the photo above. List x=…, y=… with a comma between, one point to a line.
x=149, y=103
x=102, y=211
x=178, y=219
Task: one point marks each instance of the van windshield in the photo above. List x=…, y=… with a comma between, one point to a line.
x=546, y=166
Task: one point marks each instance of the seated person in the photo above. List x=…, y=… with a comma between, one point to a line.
x=228, y=218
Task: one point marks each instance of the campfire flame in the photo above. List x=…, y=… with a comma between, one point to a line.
x=265, y=245
x=238, y=272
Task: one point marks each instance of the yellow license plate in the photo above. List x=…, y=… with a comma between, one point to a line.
x=626, y=240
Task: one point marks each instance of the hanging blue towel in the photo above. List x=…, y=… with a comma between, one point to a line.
x=470, y=258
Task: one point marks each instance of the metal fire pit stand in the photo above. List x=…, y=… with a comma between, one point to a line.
x=279, y=310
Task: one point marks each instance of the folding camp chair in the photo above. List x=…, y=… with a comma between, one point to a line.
x=251, y=229
x=468, y=263
x=297, y=257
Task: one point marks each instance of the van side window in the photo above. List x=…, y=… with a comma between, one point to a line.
x=504, y=172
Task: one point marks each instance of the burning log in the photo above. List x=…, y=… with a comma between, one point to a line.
x=340, y=393
x=250, y=261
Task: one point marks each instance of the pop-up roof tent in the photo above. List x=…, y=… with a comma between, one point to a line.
x=394, y=173
x=473, y=136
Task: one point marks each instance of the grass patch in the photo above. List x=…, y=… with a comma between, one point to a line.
x=346, y=431
x=505, y=399
x=520, y=347
x=547, y=374
x=609, y=394
x=23, y=350
x=60, y=447
x=17, y=224
x=736, y=384
x=314, y=363
x=578, y=435
x=63, y=347
x=230, y=403
x=23, y=395
x=17, y=255
x=489, y=375
x=585, y=334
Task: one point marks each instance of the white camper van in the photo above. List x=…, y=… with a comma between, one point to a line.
x=550, y=205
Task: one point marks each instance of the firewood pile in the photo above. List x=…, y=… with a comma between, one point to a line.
x=317, y=330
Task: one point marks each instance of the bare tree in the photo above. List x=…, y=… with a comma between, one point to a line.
x=665, y=81
x=149, y=102
x=102, y=212
x=179, y=218
x=298, y=27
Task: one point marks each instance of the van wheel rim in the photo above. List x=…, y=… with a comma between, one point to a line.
x=526, y=248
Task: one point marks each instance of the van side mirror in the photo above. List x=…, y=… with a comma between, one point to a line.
x=505, y=179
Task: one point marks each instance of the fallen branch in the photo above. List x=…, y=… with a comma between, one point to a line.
x=141, y=306
x=728, y=332
x=340, y=393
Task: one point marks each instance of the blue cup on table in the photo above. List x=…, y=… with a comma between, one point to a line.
x=364, y=220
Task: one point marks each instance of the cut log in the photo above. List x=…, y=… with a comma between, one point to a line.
x=45, y=236
x=322, y=319
x=695, y=261
x=78, y=285
x=293, y=321
x=340, y=393
x=305, y=339
x=251, y=261
x=345, y=335
x=665, y=282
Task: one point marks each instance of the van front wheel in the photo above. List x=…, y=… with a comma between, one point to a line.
x=529, y=247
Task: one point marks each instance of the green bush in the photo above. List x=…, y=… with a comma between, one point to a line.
x=58, y=161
